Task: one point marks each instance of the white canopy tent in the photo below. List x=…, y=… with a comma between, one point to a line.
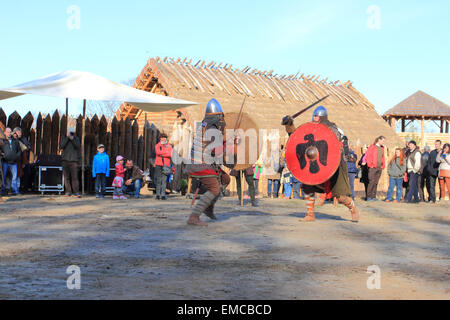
x=89, y=86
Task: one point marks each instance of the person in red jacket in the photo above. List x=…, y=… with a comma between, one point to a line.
x=163, y=152
x=376, y=164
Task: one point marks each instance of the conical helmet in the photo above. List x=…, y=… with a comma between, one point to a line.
x=213, y=107
x=321, y=112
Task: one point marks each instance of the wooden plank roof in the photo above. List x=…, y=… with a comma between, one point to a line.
x=178, y=77
x=269, y=97
x=420, y=104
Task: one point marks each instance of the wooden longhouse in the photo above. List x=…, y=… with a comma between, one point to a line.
x=269, y=98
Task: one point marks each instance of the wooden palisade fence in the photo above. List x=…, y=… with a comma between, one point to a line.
x=120, y=137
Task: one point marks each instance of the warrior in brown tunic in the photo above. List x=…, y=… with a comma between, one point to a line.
x=338, y=183
x=210, y=175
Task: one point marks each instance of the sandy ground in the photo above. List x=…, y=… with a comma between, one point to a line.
x=143, y=249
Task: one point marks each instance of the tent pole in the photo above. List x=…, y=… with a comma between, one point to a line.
x=67, y=114
x=83, y=123
x=145, y=142
x=422, y=132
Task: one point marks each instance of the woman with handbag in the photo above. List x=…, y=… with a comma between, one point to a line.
x=363, y=172
x=443, y=158
x=396, y=172
x=163, y=152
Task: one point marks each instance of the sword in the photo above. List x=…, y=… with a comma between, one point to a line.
x=287, y=119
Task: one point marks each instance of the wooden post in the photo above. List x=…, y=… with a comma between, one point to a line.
x=189, y=185
x=442, y=126
x=242, y=175
x=403, y=125
x=394, y=124
x=82, y=146
x=422, y=132
x=55, y=133
x=67, y=116
x=446, y=126
x=144, y=130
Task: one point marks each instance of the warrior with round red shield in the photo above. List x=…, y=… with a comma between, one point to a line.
x=314, y=156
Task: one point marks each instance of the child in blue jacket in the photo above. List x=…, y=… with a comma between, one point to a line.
x=100, y=171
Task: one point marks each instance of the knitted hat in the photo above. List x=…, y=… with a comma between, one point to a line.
x=118, y=158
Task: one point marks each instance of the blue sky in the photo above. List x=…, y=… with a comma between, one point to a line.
x=410, y=51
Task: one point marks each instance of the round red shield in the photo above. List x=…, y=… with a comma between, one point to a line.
x=313, y=153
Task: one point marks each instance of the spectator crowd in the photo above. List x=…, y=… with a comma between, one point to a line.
x=411, y=171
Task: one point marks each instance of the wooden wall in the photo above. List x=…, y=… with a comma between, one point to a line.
x=124, y=137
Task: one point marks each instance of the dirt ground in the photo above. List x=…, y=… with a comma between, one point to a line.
x=143, y=249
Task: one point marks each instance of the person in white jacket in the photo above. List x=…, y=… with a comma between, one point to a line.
x=443, y=158
x=413, y=165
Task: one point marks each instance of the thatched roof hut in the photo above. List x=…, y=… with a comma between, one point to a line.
x=420, y=105
x=269, y=97
x=423, y=108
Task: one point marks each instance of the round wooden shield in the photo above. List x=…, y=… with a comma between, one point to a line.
x=313, y=154
x=245, y=123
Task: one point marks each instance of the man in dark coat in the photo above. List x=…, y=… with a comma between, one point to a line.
x=433, y=170
x=24, y=170
x=424, y=174
x=133, y=180
x=11, y=153
x=70, y=146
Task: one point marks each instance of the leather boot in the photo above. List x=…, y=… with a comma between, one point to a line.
x=322, y=198
x=310, y=217
x=195, y=221
x=209, y=212
x=202, y=204
x=349, y=203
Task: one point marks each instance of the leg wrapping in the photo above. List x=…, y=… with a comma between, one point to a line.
x=203, y=203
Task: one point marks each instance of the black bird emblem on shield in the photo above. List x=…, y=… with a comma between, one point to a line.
x=312, y=150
